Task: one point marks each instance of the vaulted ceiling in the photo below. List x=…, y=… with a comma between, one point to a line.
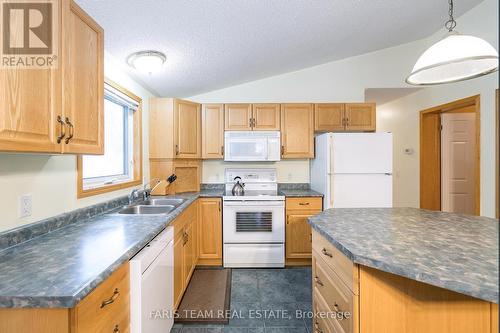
x=212, y=44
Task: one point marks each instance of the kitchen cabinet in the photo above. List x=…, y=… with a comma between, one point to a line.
x=341, y=286
x=105, y=309
x=210, y=232
x=341, y=117
x=297, y=130
x=188, y=174
x=238, y=117
x=252, y=117
x=187, y=129
x=212, y=122
x=58, y=110
x=298, y=233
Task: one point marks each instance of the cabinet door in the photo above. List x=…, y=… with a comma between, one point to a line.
x=238, y=117
x=178, y=268
x=266, y=117
x=297, y=130
x=187, y=129
x=329, y=117
x=83, y=82
x=188, y=253
x=210, y=235
x=360, y=117
x=298, y=236
x=212, y=122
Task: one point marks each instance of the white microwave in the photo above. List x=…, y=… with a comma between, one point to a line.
x=249, y=146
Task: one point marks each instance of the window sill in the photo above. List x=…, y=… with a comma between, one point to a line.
x=84, y=193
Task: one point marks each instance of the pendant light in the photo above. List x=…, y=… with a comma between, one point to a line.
x=454, y=58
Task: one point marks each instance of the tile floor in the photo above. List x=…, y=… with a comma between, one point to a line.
x=277, y=294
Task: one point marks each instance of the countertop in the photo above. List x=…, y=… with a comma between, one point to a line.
x=299, y=193
x=452, y=251
x=60, y=268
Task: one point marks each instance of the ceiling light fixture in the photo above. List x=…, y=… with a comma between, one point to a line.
x=147, y=61
x=454, y=58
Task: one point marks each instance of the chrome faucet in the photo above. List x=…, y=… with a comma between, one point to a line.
x=147, y=191
x=134, y=195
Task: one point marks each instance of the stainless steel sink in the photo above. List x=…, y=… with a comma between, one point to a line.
x=163, y=202
x=147, y=210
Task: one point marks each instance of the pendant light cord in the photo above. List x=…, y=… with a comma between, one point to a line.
x=451, y=23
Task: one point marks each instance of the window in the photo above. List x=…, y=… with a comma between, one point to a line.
x=121, y=164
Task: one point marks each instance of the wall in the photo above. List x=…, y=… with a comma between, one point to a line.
x=51, y=180
x=346, y=80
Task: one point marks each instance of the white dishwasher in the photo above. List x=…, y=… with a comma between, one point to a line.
x=152, y=286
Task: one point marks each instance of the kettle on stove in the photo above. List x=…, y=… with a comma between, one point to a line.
x=238, y=188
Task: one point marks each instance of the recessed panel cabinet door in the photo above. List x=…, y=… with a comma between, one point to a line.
x=298, y=236
x=178, y=268
x=187, y=129
x=238, y=117
x=266, y=117
x=83, y=82
x=212, y=131
x=329, y=117
x=360, y=117
x=210, y=237
x=297, y=130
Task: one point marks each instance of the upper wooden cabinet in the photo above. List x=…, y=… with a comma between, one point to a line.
x=252, y=117
x=360, y=117
x=174, y=129
x=329, y=117
x=58, y=110
x=212, y=131
x=340, y=117
x=187, y=127
x=297, y=130
x=266, y=117
x=238, y=117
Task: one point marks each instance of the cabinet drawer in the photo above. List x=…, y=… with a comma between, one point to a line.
x=323, y=322
x=333, y=291
x=308, y=203
x=107, y=307
x=346, y=270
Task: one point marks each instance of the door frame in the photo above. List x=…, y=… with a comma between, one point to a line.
x=430, y=156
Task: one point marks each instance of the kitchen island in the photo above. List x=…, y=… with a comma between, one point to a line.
x=405, y=270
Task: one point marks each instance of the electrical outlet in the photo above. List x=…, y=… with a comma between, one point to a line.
x=25, y=205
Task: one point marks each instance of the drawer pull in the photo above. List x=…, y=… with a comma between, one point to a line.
x=112, y=299
x=318, y=281
x=117, y=329
x=316, y=328
x=326, y=253
x=336, y=307
x=304, y=203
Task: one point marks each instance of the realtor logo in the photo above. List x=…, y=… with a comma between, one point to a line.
x=28, y=33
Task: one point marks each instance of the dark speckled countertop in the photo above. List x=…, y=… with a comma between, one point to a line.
x=452, y=251
x=59, y=268
x=299, y=193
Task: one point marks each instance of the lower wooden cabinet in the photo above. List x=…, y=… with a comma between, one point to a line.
x=297, y=229
x=210, y=232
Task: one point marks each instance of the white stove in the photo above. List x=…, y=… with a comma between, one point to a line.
x=254, y=223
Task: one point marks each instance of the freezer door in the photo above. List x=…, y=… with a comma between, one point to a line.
x=362, y=153
x=361, y=190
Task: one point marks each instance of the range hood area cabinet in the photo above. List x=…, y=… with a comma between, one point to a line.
x=252, y=117
x=345, y=117
x=38, y=106
x=297, y=131
x=175, y=143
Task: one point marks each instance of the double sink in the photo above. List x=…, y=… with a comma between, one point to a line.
x=153, y=206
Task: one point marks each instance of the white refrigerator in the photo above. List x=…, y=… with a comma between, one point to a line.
x=353, y=170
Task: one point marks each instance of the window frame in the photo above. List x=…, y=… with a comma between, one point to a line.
x=137, y=153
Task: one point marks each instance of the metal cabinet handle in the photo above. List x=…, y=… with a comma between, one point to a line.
x=62, y=133
x=282, y=150
x=176, y=149
x=222, y=150
x=316, y=327
x=318, y=281
x=117, y=329
x=336, y=307
x=71, y=130
x=112, y=299
x=326, y=253
x=304, y=204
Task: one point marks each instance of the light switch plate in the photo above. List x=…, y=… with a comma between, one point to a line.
x=25, y=205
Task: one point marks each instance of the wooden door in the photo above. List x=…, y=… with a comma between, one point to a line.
x=298, y=236
x=178, y=267
x=430, y=161
x=212, y=122
x=210, y=235
x=297, y=130
x=237, y=117
x=329, y=117
x=83, y=82
x=360, y=117
x=458, y=162
x=266, y=117
x=187, y=127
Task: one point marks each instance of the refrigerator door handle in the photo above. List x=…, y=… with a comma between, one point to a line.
x=330, y=169
x=388, y=174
